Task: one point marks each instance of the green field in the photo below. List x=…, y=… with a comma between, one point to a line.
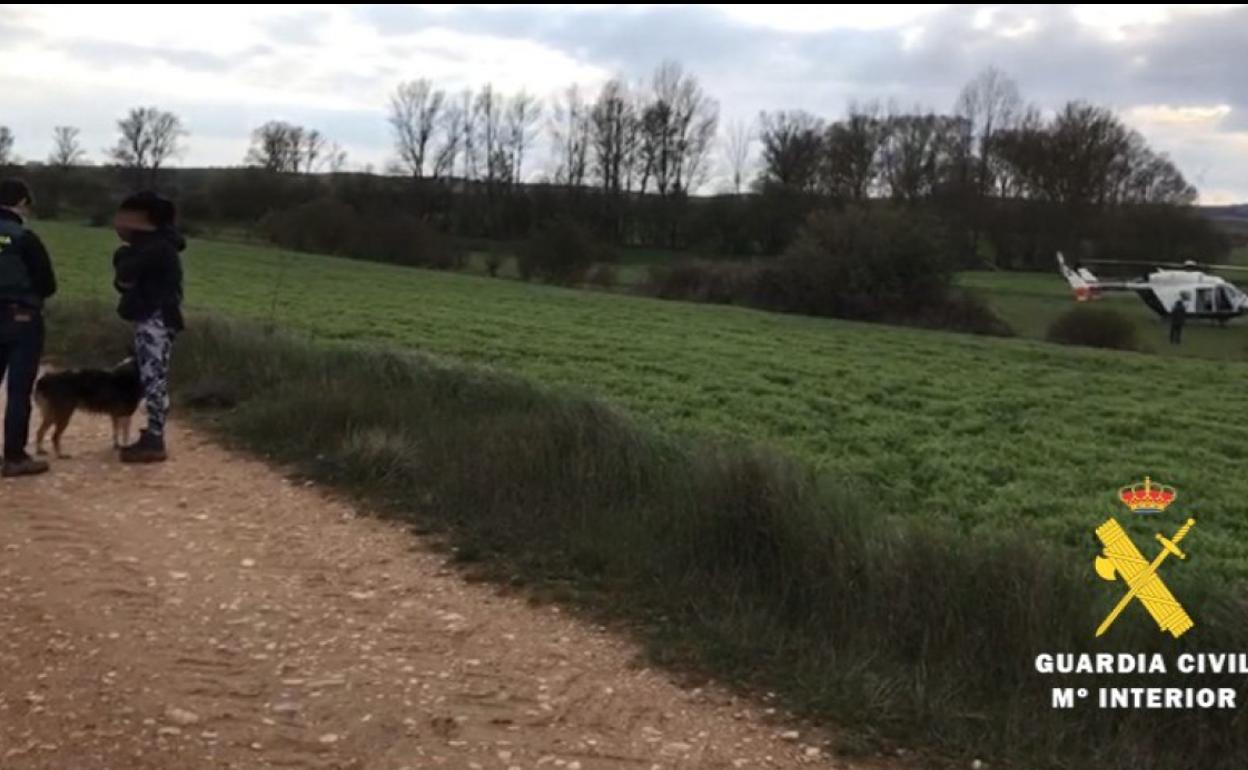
x=980, y=434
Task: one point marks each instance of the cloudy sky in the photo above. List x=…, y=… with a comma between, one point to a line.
x=1177, y=73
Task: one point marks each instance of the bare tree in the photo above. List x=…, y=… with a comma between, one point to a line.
x=335, y=158
x=738, y=144
x=284, y=148
x=66, y=149
x=313, y=150
x=791, y=145
x=1144, y=176
x=276, y=146
x=570, y=133
x=149, y=138
x=989, y=104
x=415, y=115
x=524, y=112
x=695, y=140
x=6, y=146
x=1085, y=158
x=453, y=120
x=910, y=155
x=489, y=107
x=677, y=129
x=852, y=153
x=469, y=119
x=614, y=136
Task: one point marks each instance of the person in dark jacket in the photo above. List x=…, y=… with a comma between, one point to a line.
x=1178, y=317
x=147, y=272
x=26, y=280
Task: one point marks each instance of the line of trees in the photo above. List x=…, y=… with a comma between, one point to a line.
x=1009, y=182
x=659, y=137
x=281, y=147
x=992, y=151
x=652, y=138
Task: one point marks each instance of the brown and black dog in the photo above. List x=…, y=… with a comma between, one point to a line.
x=115, y=392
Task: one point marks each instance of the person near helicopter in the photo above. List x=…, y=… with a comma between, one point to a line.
x=1178, y=317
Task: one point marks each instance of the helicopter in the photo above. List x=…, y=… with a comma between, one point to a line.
x=1163, y=284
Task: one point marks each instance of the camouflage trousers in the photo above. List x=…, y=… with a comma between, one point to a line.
x=153, y=344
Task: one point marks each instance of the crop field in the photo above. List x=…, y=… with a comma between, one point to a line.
x=982, y=435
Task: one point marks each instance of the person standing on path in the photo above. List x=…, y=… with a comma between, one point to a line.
x=26, y=281
x=147, y=272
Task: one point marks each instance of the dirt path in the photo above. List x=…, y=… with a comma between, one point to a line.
x=209, y=613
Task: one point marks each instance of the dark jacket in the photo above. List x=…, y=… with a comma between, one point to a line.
x=148, y=274
x=1178, y=314
x=26, y=275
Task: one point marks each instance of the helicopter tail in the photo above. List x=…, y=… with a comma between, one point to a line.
x=1082, y=282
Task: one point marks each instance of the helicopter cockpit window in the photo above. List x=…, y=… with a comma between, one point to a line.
x=1223, y=299
x=1204, y=300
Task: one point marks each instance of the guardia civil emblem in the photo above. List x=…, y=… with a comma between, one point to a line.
x=1122, y=560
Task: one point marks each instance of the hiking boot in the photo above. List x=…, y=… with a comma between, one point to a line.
x=23, y=466
x=150, y=448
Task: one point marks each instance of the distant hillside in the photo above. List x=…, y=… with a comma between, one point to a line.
x=1233, y=218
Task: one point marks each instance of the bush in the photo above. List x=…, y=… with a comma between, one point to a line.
x=873, y=264
x=867, y=263
x=561, y=253
x=402, y=239
x=702, y=281
x=1094, y=327
x=493, y=261
x=329, y=226
x=963, y=311
x=247, y=195
x=325, y=225
x=100, y=217
x=602, y=276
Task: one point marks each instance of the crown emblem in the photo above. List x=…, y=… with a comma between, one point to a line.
x=1147, y=497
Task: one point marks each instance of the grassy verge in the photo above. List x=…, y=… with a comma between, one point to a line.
x=730, y=559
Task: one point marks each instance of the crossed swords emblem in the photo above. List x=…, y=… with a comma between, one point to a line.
x=1123, y=560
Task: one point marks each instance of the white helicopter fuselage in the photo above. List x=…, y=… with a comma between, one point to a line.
x=1202, y=295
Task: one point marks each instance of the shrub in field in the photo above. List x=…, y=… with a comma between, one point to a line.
x=701, y=281
x=602, y=276
x=1093, y=327
x=101, y=215
x=324, y=225
x=329, y=226
x=963, y=311
x=727, y=557
x=869, y=264
x=864, y=264
x=402, y=239
x=561, y=253
x=493, y=261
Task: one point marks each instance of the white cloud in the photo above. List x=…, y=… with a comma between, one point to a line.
x=1169, y=115
x=1120, y=21
x=791, y=17
x=228, y=68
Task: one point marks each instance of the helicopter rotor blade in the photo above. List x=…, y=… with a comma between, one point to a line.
x=1242, y=268
x=1176, y=265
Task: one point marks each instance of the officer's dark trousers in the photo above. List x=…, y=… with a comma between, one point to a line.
x=21, y=344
